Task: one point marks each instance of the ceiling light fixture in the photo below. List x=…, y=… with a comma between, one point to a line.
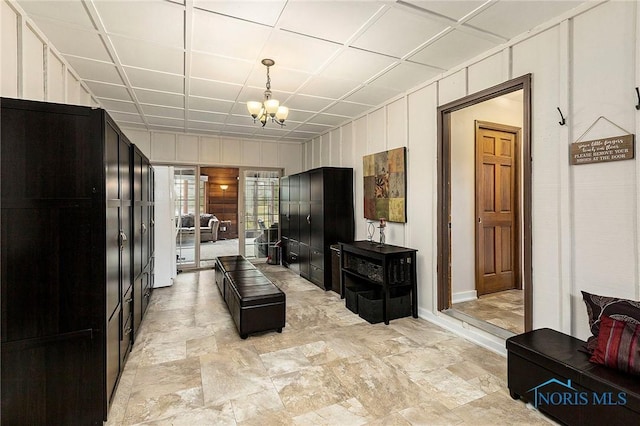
x=269, y=107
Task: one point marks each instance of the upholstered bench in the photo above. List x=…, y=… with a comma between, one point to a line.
x=255, y=303
x=226, y=264
x=550, y=370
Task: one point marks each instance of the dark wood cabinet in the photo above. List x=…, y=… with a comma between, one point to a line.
x=390, y=269
x=67, y=255
x=316, y=210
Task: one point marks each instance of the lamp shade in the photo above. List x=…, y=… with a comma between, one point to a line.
x=254, y=108
x=282, y=114
x=271, y=105
x=224, y=187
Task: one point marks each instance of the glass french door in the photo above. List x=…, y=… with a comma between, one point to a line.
x=259, y=212
x=186, y=188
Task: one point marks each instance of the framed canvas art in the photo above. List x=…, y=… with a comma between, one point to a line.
x=385, y=185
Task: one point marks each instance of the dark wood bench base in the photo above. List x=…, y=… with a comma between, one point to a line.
x=255, y=303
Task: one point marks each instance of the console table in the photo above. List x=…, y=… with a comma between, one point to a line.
x=380, y=266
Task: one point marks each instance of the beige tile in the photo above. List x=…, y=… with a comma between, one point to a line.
x=190, y=367
x=309, y=389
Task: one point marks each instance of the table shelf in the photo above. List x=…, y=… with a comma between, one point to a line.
x=385, y=267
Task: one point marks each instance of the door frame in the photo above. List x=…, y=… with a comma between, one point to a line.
x=444, y=189
x=517, y=131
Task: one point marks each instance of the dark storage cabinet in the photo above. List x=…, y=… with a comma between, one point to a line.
x=379, y=281
x=67, y=255
x=316, y=210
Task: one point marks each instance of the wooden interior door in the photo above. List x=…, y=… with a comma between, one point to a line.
x=497, y=230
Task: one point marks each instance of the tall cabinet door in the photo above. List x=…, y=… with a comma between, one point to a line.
x=124, y=182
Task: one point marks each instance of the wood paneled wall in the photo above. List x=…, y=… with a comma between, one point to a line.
x=223, y=204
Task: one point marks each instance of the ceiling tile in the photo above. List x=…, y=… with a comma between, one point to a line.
x=218, y=68
x=227, y=36
x=316, y=128
x=75, y=42
x=94, y=70
x=72, y=12
x=160, y=111
x=214, y=89
x=209, y=117
x=308, y=103
x=154, y=57
x=383, y=36
x=156, y=21
x=451, y=9
x=298, y=52
x=111, y=91
x=371, y=95
x=405, y=76
x=167, y=128
x=311, y=17
x=452, y=49
x=241, y=120
x=160, y=98
x=301, y=135
x=356, y=65
x=129, y=118
x=328, y=119
x=348, y=108
x=197, y=125
x=213, y=105
x=298, y=116
x=264, y=12
x=165, y=121
x=334, y=88
x=510, y=18
x=155, y=80
x=113, y=106
x=282, y=79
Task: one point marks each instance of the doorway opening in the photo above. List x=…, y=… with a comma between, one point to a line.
x=484, y=208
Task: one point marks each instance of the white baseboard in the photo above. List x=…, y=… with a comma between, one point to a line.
x=464, y=296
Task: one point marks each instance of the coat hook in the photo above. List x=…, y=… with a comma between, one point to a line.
x=563, y=122
x=638, y=93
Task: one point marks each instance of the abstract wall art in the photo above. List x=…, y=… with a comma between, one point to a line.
x=385, y=185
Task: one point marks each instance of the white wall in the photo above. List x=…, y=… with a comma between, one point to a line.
x=504, y=110
x=32, y=68
x=179, y=148
x=585, y=218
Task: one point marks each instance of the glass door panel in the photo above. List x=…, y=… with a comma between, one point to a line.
x=187, y=217
x=261, y=211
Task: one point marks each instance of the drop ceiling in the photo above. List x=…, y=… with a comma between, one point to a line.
x=191, y=66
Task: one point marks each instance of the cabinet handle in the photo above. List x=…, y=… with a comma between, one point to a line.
x=123, y=239
x=144, y=228
x=309, y=219
x=147, y=295
x=127, y=331
x=129, y=300
x=153, y=223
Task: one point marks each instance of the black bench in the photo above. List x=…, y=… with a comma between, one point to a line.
x=550, y=370
x=255, y=303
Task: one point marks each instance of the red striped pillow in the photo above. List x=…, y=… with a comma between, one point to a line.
x=618, y=345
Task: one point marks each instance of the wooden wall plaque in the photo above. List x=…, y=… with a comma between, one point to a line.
x=602, y=150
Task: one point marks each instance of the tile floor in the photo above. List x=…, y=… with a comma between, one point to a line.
x=328, y=367
x=504, y=309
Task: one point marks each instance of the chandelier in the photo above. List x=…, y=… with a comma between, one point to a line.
x=269, y=107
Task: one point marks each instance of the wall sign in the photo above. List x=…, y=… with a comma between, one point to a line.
x=602, y=150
